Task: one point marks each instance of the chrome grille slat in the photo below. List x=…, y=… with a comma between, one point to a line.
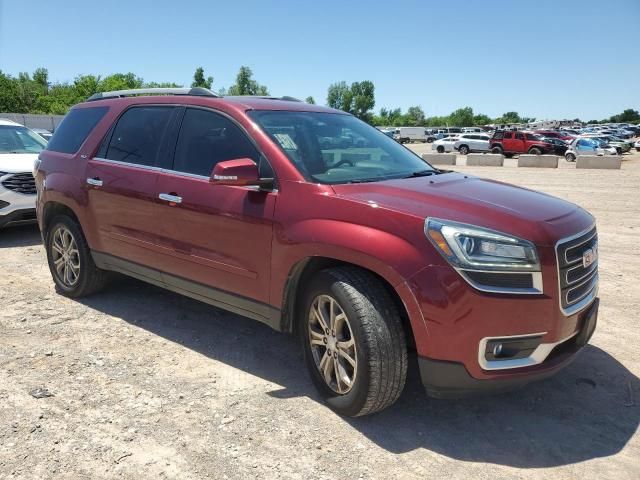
x=20, y=183
x=578, y=284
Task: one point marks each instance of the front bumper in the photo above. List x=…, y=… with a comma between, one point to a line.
x=449, y=379
x=19, y=217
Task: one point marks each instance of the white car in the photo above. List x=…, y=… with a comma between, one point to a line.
x=637, y=145
x=444, y=144
x=19, y=148
x=588, y=146
x=472, y=142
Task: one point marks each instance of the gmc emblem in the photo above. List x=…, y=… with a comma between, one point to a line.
x=589, y=256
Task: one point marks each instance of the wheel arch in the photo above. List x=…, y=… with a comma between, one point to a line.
x=304, y=269
x=52, y=209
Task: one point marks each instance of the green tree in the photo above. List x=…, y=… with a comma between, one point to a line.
x=627, y=116
x=199, y=79
x=120, y=81
x=414, y=117
x=86, y=85
x=339, y=96
x=9, y=94
x=310, y=100
x=509, y=117
x=463, y=117
x=246, y=85
x=363, y=99
x=481, y=119
x=41, y=77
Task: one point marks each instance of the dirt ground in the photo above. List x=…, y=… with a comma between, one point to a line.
x=146, y=383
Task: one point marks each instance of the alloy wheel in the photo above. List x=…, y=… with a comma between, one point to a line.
x=66, y=256
x=332, y=344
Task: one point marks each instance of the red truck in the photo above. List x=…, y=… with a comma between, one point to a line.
x=363, y=250
x=510, y=143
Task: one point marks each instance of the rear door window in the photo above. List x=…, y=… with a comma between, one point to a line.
x=508, y=135
x=75, y=128
x=137, y=136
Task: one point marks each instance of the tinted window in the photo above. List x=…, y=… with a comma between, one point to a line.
x=508, y=135
x=533, y=138
x=207, y=138
x=519, y=136
x=137, y=135
x=75, y=128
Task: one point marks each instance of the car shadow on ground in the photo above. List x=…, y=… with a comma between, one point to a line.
x=589, y=410
x=20, y=236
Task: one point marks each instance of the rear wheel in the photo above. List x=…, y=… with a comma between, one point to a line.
x=463, y=149
x=570, y=157
x=353, y=341
x=430, y=140
x=440, y=149
x=72, y=268
x=619, y=150
x=535, y=151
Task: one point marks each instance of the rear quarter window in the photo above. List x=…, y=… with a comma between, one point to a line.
x=75, y=128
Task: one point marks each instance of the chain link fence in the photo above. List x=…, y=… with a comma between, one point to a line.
x=48, y=122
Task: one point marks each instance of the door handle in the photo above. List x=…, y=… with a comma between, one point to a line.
x=168, y=197
x=96, y=182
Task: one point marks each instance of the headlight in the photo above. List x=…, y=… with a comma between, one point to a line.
x=488, y=260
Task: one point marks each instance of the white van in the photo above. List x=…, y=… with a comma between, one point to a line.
x=411, y=134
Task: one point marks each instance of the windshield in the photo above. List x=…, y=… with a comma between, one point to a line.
x=332, y=148
x=16, y=139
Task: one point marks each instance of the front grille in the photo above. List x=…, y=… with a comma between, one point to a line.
x=20, y=183
x=578, y=283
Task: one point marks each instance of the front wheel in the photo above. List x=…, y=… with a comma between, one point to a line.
x=353, y=341
x=440, y=149
x=497, y=150
x=463, y=150
x=570, y=157
x=535, y=151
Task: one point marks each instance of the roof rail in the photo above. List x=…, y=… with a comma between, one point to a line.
x=264, y=97
x=195, y=91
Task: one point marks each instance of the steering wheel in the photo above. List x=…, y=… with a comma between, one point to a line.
x=342, y=162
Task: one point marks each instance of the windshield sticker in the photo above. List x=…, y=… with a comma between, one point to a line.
x=286, y=141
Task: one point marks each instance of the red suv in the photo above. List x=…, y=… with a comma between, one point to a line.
x=510, y=143
x=315, y=223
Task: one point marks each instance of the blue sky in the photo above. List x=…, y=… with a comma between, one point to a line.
x=544, y=59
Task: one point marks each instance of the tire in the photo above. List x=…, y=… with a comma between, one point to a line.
x=619, y=150
x=534, y=151
x=430, y=140
x=463, y=149
x=440, y=149
x=372, y=321
x=72, y=281
x=497, y=150
x=570, y=157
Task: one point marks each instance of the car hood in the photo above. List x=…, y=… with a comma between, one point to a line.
x=17, y=162
x=519, y=211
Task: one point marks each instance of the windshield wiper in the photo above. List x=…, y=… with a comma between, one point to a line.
x=367, y=180
x=422, y=173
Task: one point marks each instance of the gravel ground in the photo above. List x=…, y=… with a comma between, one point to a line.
x=143, y=382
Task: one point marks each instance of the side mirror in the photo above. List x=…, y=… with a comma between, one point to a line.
x=240, y=172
